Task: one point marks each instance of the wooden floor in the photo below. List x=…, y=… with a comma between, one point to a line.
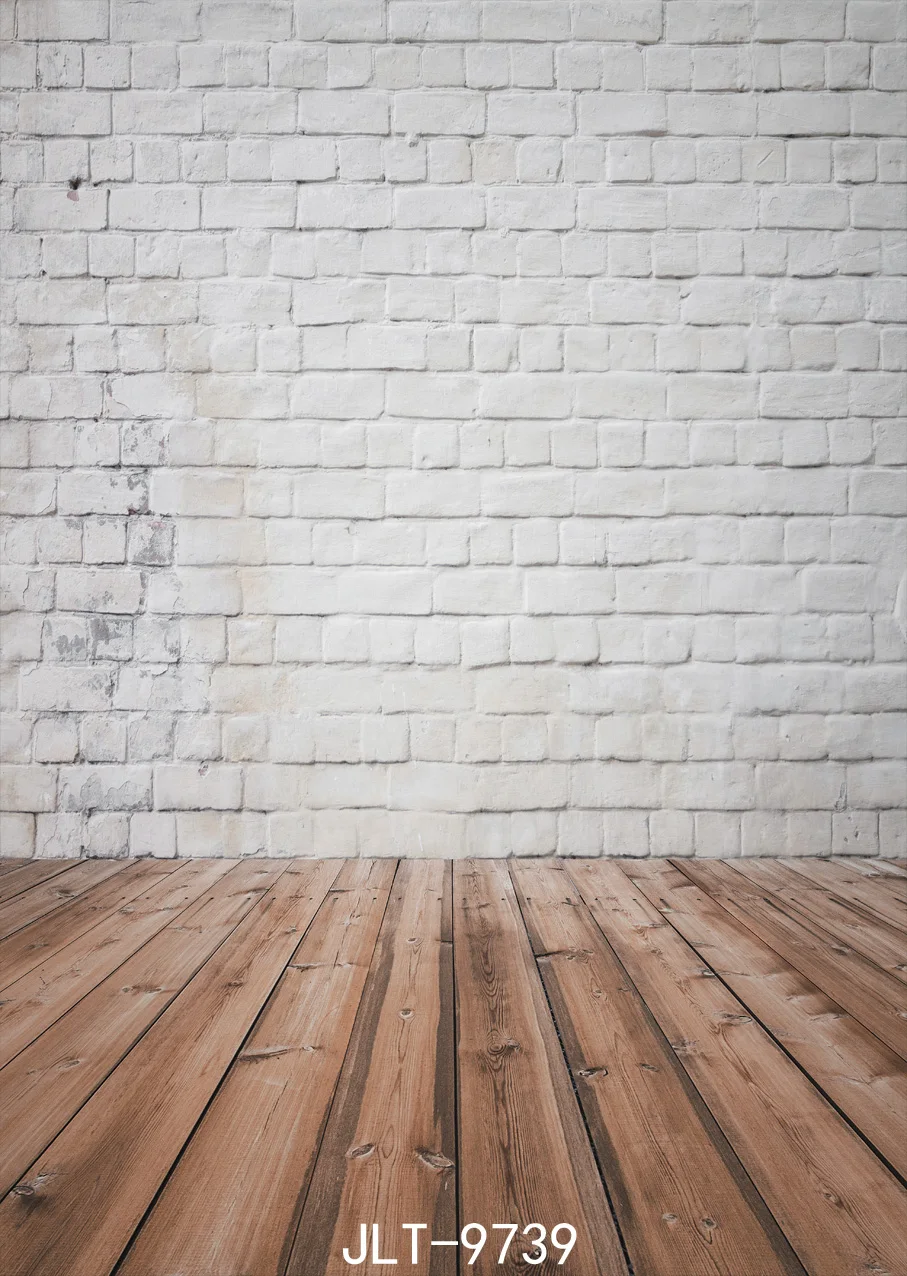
x=212, y=1068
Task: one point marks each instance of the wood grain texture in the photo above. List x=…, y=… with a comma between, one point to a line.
x=45, y=1085
x=873, y=997
x=232, y=1204
x=7, y=865
x=839, y=1207
x=36, y=942
x=887, y=868
x=83, y=1198
x=524, y=1153
x=859, y=1073
x=390, y=1145
x=31, y=1004
x=841, y=921
x=223, y=1066
x=683, y=1201
x=31, y=874
x=850, y=884
x=50, y=895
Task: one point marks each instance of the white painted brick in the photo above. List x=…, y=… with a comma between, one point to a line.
x=184, y=787
x=104, y=788
x=152, y=833
x=28, y=788
x=17, y=835
x=620, y=20
x=49, y=209
x=892, y=833
x=255, y=111
x=59, y=836
x=157, y=111
x=799, y=786
x=64, y=114
x=230, y=836
x=254, y=207
x=520, y=389
x=435, y=111
x=671, y=833
x=154, y=208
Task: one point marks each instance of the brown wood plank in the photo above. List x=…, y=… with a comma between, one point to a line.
x=30, y=1005
x=890, y=868
x=83, y=1198
x=870, y=893
x=42, y=1088
x=872, y=868
x=867, y=993
x=7, y=865
x=31, y=874
x=524, y=1153
x=232, y=1203
x=683, y=1201
x=54, y=894
x=865, y=1079
x=42, y=938
x=840, y=1208
x=839, y=921
x=395, y=1102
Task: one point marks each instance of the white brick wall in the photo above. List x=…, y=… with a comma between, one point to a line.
x=453, y=426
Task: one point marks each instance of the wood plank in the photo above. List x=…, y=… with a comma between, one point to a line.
x=851, y=884
x=891, y=868
x=524, y=1154
x=7, y=864
x=83, y=1198
x=42, y=938
x=55, y=893
x=838, y=1205
x=395, y=1102
x=31, y=874
x=867, y=993
x=47, y=1083
x=669, y=1170
x=840, y=922
x=865, y=1079
x=872, y=868
x=31, y=1004
x=233, y=1200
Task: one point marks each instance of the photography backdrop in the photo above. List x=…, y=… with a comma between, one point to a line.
x=442, y=427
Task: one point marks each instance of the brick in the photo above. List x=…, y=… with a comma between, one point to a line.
x=55, y=301
x=64, y=20
x=516, y=387
x=429, y=20
x=515, y=208
x=65, y=113
x=154, y=208
x=622, y=113
x=625, y=21
x=525, y=114
x=248, y=207
x=181, y=787
x=791, y=113
x=27, y=788
x=250, y=111
x=99, y=591
x=49, y=209
x=435, y=111
x=623, y=209
x=437, y=207
x=344, y=111
x=157, y=111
